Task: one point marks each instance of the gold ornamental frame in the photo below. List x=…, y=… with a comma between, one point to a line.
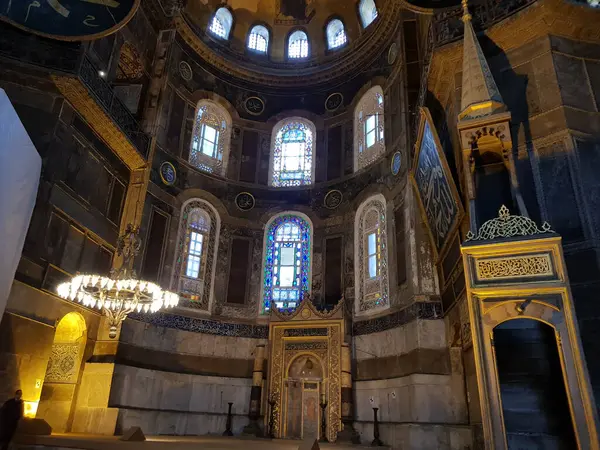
x=291, y=337
x=427, y=119
x=536, y=292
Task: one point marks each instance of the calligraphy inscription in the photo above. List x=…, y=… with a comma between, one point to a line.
x=514, y=267
x=434, y=189
x=68, y=18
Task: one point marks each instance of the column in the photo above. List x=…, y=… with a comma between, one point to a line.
x=348, y=433
x=256, y=393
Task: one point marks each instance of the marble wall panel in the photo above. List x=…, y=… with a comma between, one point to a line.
x=417, y=334
x=186, y=342
x=178, y=423
x=418, y=436
x=415, y=398
x=133, y=387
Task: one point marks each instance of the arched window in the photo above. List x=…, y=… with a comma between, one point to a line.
x=258, y=39
x=211, y=138
x=336, y=34
x=368, y=12
x=298, y=45
x=371, y=267
x=197, y=241
x=221, y=23
x=292, y=162
x=368, y=128
x=287, y=263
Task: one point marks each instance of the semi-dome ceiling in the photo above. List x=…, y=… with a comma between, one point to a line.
x=281, y=18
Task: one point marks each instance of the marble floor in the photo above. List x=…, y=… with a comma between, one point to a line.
x=87, y=442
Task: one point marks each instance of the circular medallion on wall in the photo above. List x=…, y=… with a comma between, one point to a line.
x=392, y=53
x=334, y=101
x=168, y=174
x=244, y=201
x=333, y=199
x=185, y=70
x=69, y=20
x=396, y=163
x=254, y=106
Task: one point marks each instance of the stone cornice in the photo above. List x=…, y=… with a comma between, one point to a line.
x=326, y=70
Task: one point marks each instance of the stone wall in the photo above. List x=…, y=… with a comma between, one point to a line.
x=544, y=61
x=176, y=403
x=409, y=373
x=171, y=381
x=27, y=334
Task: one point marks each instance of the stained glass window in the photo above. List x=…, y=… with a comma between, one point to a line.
x=368, y=12
x=369, y=144
x=221, y=23
x=194, y=260
x=336, y=34
x=258, y=40
x=298, y=45
x=292, y=155
x=211, y=138
x=287, y=262
x=372, y=290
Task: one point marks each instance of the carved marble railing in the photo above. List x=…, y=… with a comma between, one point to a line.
x=106, y=97
x=70, y=59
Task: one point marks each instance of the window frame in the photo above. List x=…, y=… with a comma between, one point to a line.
x=287, y=45
x=227, y=31
x=183, y=284
x=330, y=22
x=370, y=104
x=216, y=116
x=255, y=52
x=309, y=152
x=359, y=5
x=371, y=293
x=269, y=259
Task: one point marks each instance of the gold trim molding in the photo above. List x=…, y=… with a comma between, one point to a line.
x=77, y=94
x=325, y=349
x=545, y=300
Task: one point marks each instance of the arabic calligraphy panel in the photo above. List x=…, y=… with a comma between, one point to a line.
x=436, y=190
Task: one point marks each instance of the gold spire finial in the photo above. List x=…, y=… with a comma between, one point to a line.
x=466, y=15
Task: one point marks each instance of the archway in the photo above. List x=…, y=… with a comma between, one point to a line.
x=303, y=384
x=535, y=406
x=62, y=373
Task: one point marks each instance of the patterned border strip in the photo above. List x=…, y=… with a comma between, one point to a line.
x=419, y=310
x=206, y=326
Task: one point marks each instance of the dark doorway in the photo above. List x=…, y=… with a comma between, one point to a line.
x=534, y=399
x=492, y=184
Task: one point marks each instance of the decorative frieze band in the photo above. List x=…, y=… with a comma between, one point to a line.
x=514, y=267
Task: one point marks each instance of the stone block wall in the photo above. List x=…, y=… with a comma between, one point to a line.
x=409, y=373
x=26, y=337
x=177, y=382
x=178, y=404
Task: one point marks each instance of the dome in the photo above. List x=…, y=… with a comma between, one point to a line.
x=280, y=41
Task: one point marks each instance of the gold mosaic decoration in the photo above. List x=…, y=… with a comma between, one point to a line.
x=514, y=267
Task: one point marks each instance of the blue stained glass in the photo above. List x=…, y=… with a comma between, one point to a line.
x=292, y=234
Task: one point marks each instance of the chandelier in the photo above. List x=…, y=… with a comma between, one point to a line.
x=122, y=293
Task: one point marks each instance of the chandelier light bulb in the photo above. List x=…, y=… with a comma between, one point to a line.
x=122, y=293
